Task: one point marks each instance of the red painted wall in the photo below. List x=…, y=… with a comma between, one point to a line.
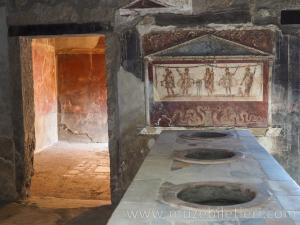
x=45, y=91
x=82, y=97
x=44, y=75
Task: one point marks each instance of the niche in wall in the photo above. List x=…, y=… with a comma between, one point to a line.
x=207, y=81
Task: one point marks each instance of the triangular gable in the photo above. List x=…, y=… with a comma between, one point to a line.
x=144, y=4
x=210, y=45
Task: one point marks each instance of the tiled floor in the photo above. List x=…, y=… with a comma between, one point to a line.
x=71, y=186
x=33, y=214
x=72, y=171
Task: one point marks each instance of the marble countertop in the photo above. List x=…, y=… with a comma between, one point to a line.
x=141, y=203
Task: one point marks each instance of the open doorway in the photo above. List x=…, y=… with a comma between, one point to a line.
x=71, y=158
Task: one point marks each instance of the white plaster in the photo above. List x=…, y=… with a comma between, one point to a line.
x=130, y=87
x=273, y=132
x=46, y=131
x=212, y=26
x=180, y=3
x=271, y=63
x=268, y=143
x=148, y=28
x=150, y=143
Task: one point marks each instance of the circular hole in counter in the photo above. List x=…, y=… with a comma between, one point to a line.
x=198, y=135
x=207, y=156
x=216, y=195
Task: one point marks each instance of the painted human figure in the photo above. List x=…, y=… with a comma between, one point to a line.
x=248, y=80
x=209, y=81
x=227, y=80
x=185, y=81
x=168, y=82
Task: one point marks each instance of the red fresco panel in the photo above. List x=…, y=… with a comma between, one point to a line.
x=44, y=75
x=82, y=94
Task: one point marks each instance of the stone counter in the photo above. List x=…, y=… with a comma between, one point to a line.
x=277, y=196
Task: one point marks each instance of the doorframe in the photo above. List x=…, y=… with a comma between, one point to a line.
x=20, y=56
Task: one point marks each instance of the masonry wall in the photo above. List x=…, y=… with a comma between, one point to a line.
x=7, y=146
x=43, y=12
x=125, y=78
x=284, y=143
x=45, y=92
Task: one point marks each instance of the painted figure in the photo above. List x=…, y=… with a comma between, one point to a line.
x=209, y=81
x=185, y=82
x=168, y=82
x=227, y=80
x=248, y=80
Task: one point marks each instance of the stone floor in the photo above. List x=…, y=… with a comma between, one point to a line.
x=72, y=171
x=29, y=213
x=71, y=186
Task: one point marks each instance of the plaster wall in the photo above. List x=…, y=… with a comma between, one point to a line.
x=45, y=92
x=283, y=142
x=180, y=3
x=82, y=93
x=133, y=147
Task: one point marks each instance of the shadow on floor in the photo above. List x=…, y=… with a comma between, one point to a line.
x=24, y=214
x=96, y=216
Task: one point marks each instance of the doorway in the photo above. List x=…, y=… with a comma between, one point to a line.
x=71, y=158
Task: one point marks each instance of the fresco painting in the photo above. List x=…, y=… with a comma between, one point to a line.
x=204, y=78
x=44, y=75
x=208, y=93
x=208, y=82
x=82, y=96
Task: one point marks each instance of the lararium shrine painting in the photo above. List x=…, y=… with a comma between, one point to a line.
x=208, y=82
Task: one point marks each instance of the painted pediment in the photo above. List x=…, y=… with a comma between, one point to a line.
x=144, y=4
x=147, y=7
x=210, y=45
